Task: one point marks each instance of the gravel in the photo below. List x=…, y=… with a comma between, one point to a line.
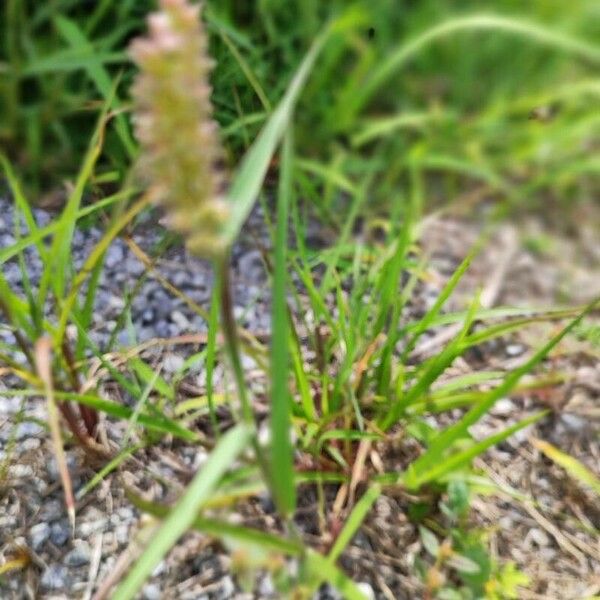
x=60, y=532
x=55, y=577
x=78, y=556
x=38, y=535
x=154, y=311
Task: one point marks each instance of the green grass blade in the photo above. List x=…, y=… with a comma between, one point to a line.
x=182, y=516
x=148, y=374
x=92, y=259
x=246, y=69
x=158, y=422
x=22, y=204
x=253, y=169
x=354, y=521
x=433, y=312
x=302, y=383
x=99, y=75
x=447, y=437
x=40, y=233
x=282, y=455
x=571, y=465
x=72, y=59
x=433, y=369
x=516, y=26
x=414, y=478
x=222, y=529
x=321, y=570
x=324, y=568
x=211, y=356
x=58, y=267
x=109, y=467
x=85, y=314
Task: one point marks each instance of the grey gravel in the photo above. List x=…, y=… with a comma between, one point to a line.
x=154, y=311
x=367, y=590
x=227, y=588
x=574, y=423
x=539, y=537
x=38, y=535
x=52, y=510
x=52, y=468
x=514, y=349
x=504, y=408
x=28, y=429
x=151, y=592
x=55, y=577
x=59, y=532
x=78, y=556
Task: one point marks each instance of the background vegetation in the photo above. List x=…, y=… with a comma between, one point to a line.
x=456, y=103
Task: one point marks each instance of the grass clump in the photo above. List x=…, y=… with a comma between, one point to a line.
x=346, y=384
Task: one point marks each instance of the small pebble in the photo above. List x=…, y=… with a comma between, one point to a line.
x=573, y=423
x=60, y=532
x=79, y=555
x=266, y=588
x=30, y=444
x=20, y=471
x=51, y=510
x=180, y=320
x=38, y=535
x=227, y=588
x=366, y=589
x=113, y=257
x=539, y=537
x=89, y=527
x=134, y=267
x=55, y=577
x=151, y=592
x=147, y=316
x=52, y=468
x=503, y=408
x=122, y=534
x=173, y=363
x=160, y=568
x=181, y=279
x=514, y=349
x=29, y=429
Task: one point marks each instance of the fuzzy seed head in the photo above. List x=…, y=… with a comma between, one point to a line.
x=181, y=155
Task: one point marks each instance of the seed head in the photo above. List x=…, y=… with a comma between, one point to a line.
x=181, y=156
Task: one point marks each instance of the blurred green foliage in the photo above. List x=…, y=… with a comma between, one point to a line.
x=459, y=108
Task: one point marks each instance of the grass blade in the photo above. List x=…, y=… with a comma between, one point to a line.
x=354, y=521
x=222, y=529
x=571, y=465
x=325, y=570
x=413, y=479
x=526, y=29
x=253, y=169
x=99, y=75
x=282, y=455
x=155, y=422
x=433, y=369
x=447, y=437
x=433, y=312
x=93, y=258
